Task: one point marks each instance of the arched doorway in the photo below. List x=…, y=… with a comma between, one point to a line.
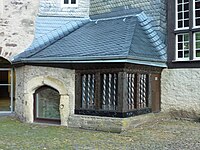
x=46, y=105
x=6, y=86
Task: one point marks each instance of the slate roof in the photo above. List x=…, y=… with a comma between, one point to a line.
x=124, y=37
x=50, y=29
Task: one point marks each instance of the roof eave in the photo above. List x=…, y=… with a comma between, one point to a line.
x=117, y=59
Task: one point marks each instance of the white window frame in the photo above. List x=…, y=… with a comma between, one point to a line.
x=176, y=18
x=69, y=5
x=181, y=59
x=194, y=46
x=194, y=17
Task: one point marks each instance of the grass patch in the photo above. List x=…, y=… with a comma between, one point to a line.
x=153, y=135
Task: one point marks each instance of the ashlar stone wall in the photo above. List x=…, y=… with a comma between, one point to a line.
x=30, y=78
x=180, y=92
x=17, y=19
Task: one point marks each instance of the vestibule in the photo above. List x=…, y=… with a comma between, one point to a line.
x=53, y=93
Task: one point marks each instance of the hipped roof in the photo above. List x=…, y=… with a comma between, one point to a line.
x=126, y=36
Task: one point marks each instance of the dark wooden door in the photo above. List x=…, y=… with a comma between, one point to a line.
x=155, y=93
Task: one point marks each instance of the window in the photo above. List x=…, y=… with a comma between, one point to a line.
x=182, y=13
x=187, y=30
x=46, y=104
x=114, y=94
x=197, y=13
x=182, y=46
x=87, y=91
x=197, y=44
x=7, y=98
x=108, y=91
x=70, y=3
x=141, y=100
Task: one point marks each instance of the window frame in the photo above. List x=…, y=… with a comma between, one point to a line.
x=191, y=30
x=69, y=5
x=176, y=18
x=194, y=46
x=194, y=17
x=182, y=59
x=35, y=112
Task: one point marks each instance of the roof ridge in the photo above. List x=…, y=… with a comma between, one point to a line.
x=146, y=25
x=120, y=12
x=113, y=18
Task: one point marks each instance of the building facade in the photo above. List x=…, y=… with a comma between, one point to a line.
x=16, y=33
x=90, y=60
x=180, y=81
x=105, y=72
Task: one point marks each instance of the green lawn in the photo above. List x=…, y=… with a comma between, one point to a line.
x=160, y=134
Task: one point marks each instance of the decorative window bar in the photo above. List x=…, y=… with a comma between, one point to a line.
x=109, y=91
x=131, y=82
x=143, y=91
x=88, y=91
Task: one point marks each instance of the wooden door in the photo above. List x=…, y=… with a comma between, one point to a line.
x=155, y=92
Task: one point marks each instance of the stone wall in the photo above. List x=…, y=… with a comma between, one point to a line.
x=55, y=8
x=111, y=124
x=16, y=25
x=30, y=78
x=155, y=9
x=180, y=92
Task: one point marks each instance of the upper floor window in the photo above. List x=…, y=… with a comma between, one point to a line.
x=188, y=33
x=182, y=10
x=196, y=12
x=70, y=3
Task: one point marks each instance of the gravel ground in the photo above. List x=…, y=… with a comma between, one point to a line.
x=164, y=134
x=158, y=134
x=167, y=134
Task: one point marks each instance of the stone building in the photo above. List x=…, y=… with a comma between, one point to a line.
x=95, y=64
x=16, y=34
x=90, y=60
x=180, y=81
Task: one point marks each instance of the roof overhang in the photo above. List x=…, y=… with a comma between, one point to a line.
x=76, y=60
